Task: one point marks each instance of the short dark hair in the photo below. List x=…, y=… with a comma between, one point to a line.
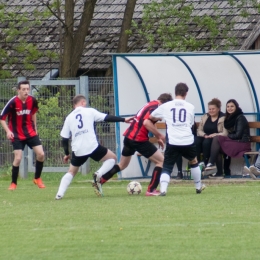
x=215, y=102
x=181, y=89
x=23, y=82
x=165, y=97
x=78, y=98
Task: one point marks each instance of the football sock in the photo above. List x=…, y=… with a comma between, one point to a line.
x=196, y=174
x=164, y=181
x=38, y=169
x=155, y=179
x=106, y=166
x=15, y=172
x=64, y=184
x=109, y=174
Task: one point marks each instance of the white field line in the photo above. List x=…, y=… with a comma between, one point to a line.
x=161, y=225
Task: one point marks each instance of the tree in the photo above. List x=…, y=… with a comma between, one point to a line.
x=172, y=25
x=72, y=36
x=124, y=33
x=14, y=24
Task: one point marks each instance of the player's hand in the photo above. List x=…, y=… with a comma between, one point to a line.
x=66, y=158
x=129, y=119
x=212, y=135
x=161, y=143
x=10, y=135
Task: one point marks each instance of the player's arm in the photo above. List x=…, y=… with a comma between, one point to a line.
x=9, y=133
x=149, y=125
x=65, y=135
x=65, y=145
x=110, y=118
x=154, y=119
x=34, y=121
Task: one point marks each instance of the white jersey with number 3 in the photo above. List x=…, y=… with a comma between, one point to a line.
x=79, y=125
x=179, y=118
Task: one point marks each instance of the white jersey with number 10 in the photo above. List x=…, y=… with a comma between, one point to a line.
x=179, y=118
x=79, y=125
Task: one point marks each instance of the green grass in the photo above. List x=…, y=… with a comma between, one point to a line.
x=221, y=223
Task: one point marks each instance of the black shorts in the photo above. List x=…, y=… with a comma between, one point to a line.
x=31, y=142
x=96, y=155
x=145, y=148
x=173, y=152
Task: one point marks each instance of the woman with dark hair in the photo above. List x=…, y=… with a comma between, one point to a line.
x=211, y=125
x=238, y=140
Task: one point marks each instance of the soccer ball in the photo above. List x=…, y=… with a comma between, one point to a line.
x=134, y=188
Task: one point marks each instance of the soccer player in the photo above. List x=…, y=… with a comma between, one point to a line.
x=79, y=126
x=21, y=130
x=137, y=139
x=179, y=118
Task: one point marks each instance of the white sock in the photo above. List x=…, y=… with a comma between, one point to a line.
x=196, y=174
x=106, y=166
x=64, y=184
x=164, y=181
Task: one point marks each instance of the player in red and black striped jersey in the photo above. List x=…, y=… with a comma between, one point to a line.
x=20, y=112
x=137, y=139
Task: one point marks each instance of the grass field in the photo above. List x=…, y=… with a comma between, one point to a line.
x=221, y=223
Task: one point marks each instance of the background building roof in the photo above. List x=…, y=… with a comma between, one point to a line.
x=105, y=28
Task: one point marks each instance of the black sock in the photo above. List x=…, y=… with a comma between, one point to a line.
x=15, y=172
x=155, y=180
x=110, y=174
x=38, y=169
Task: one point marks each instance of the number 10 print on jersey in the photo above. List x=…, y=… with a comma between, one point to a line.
x=179, y=118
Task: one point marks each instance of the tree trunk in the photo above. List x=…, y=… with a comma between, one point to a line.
x=126, y=25
x=74, y=42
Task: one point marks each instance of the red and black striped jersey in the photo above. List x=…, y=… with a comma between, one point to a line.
x=19, y=115
x=137, y=131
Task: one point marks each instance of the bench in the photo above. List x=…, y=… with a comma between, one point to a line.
x=249, y=157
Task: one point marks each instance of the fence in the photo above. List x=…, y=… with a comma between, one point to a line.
x=55, y=102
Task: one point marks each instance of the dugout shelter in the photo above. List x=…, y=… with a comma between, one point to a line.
x=140, y=78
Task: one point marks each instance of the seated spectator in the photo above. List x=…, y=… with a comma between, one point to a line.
x=236, y=143
x=254, y=170
x=211, y=124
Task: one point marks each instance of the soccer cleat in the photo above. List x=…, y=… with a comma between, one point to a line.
x=210, y=166
x=162, y=194
x=254, y=170
x=97, y=185
x=39, y=183
x=152, y=193
x=58, y=197
x=12, y=186
x=203, y=187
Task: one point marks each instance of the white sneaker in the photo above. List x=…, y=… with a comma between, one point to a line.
x=210, y=166
x=253, y=172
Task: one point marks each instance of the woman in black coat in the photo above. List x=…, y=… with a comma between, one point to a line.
x=238, y=140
